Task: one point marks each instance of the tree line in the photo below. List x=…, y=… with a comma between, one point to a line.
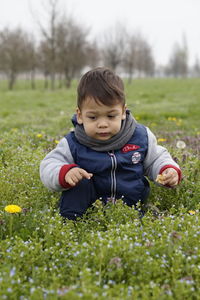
x=65, y=49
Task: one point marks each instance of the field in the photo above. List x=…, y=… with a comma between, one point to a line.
x=111, y=253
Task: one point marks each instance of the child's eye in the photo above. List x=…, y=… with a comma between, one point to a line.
x=111, y=116
x=91, y=117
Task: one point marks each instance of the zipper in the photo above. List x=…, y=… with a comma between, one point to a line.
x=113, y=176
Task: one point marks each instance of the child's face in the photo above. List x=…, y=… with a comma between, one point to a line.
x=100, y=121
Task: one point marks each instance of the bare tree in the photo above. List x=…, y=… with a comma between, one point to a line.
x=72, y=47
x=31, y=59
x=93, y=54
x=145, y=60
x=178, y=62
x=63, y=48
x=138, y=56
x=43, y=61
x=130, y=57
x=113, y=44
x=13, y=45
x=196, y=68
x=49, y=37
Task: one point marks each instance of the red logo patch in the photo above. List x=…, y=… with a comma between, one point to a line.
x=129, y=147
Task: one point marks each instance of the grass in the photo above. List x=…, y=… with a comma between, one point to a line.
x=110, y=253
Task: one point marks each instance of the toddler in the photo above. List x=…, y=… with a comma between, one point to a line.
x=109, y=155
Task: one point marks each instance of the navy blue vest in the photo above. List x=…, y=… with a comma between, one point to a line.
x=116, y=174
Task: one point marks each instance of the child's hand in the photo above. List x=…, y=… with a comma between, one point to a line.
x=75, y=175
x=169, y=177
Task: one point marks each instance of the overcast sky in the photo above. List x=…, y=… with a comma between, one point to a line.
x=162, y=22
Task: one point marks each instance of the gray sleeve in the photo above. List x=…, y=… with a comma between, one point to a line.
x=50, y=166
x=156, y=158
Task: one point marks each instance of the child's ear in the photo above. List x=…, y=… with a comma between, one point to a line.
x=124, y=112
x=79, y=116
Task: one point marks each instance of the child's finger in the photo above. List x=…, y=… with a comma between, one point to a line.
x=71, y=182
x=167, y=174
x=75, y=175
x=78, y=176
x=170, y=177
x=171, y=182
x=174, y=183
x=85, y=174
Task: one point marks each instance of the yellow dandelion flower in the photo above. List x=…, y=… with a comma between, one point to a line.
x=179, y=122
x=14, y=129
x=39, y=135
x=12, y=209
x=192, y=212
x=56, y=142
x=172, y=119
x=162, y=140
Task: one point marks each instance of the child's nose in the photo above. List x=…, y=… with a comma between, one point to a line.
x=102, y=123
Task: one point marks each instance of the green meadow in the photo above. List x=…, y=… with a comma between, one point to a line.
x=110, y=253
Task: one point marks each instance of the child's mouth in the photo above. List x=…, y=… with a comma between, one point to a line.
x=103, y=134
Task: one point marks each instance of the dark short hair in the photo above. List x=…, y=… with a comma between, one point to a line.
x=102, y=85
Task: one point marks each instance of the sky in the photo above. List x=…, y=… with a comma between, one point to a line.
x=162, y=22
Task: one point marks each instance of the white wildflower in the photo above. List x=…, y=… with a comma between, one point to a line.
x=180, y=144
